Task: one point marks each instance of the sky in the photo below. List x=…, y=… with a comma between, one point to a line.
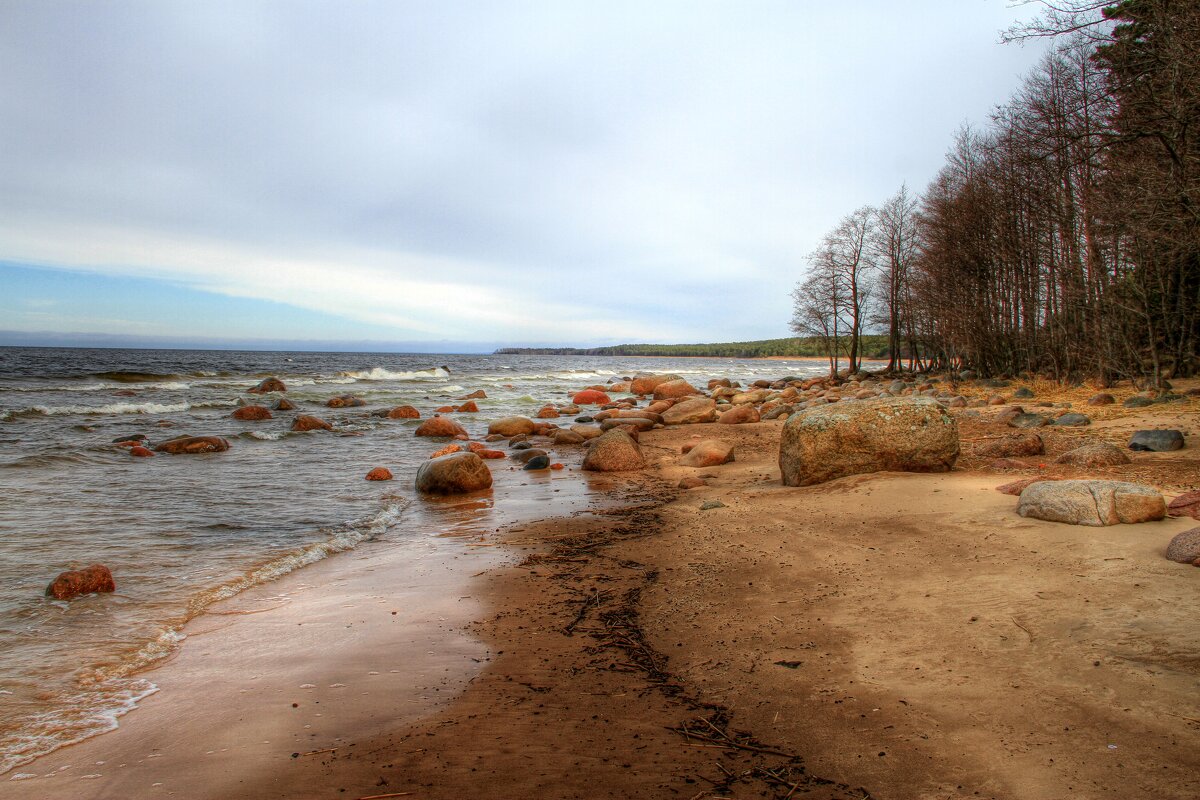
x=457, y=176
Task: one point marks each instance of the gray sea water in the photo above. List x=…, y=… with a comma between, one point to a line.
x=181, y=532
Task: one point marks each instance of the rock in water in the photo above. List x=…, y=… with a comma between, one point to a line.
x=646, y=384
x=190, y=445
x=1100, y=454
x=528, y=454
x=252, y=413
x=140, y=452
x=691, y=412
x=268, y=385
x=345, y=401
x=404, y=412
x=1156, y=441
x=440, y=426
x=512, y=426
x=1094, y=503
x=614, y=451
x=307, y=422
x=590, y=397
x=379, y=474
x=708, y=453
x=541, y=461
x=1185, y=547
x=283, y=404
x=906, y=434
x=73, y=583
x=456, y=473
x=673, y=389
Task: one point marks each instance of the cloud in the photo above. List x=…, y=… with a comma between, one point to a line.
x=528, y=170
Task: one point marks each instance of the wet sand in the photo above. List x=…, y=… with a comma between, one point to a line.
x=887, y=636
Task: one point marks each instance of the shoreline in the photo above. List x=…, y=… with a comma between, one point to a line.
x=884, y=635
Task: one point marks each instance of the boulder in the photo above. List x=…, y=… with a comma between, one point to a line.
x=637, y=423
x=671, y=390
x=1095, y=503
x=524, y=456
x=76, y=582
x=190, y=445
x=567, y=437
x=1097, y=454
x=1072, y=420
x=659, y=406
x=490, y=453
x=379, y=474
x=512, y=426
x=741, y=398
x=267, y=385
x=784, y=411
x=548, y=412
x=1185, y=547
x=739, y=415
x=469, y=407
x=453, y=447
x=445, y=410
x=1102, y=399
x=1016, y=487
x=440, y=426
x=715, y=382
x=478, y=394
x=251, y=413
x=646, y=384
x=456, y=473
x=345, y=401
x=1157, y=441
x=404, y=412
x=590, y=397
x=283, y=404
x=1028, y=421
x=586, y=431
x=305, y=422
x=1023, y=393
x=613, y=451
x=708, y=453
x=906, y=434
x=692, y=482
x=691, y=412
x=1186, y=505
x=1011, y=446
x=140, y=452
x=1137, y=401
x=541, y=461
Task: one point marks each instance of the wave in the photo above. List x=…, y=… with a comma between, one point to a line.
x=109, y=693
x=135, y=377
x=111, y=408
x=383, y=374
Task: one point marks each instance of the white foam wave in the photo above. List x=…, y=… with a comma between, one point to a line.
x=266, y=436
x=113, y=408
x=383, y=374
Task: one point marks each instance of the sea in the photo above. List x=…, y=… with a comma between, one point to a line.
x=183, y=532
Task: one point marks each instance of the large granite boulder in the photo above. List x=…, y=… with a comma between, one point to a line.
x=646, y=384
x=1156, y=441
x=905, y=434
x=456, y=473
x=1096, y=503
x=739, y=415
x=674, y=389
x=1185, y=547
x=613, y=451
x=512, y=426
x=1097, y=454
x=691, y=411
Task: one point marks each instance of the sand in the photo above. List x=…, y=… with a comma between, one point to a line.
x=887, y=636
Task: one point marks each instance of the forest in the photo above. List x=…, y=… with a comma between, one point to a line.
x=1061, y=239
x=798, y=347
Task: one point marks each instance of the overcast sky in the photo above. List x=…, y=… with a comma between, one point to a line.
x=461, y=172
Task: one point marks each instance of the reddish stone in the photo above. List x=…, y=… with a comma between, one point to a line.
x=673, y=390
x=489, y=453
x=252, y=413
x=739, y=415
x=283, y=404
x=1187, y=504
x=189, y=445
x=445, y=410
x=468, y=407
x=590, y=397
x=268, y=385
x=549, y=412
x=478, y=394
x=692, y=483
x=447, y=450
x=125, y=393
x=305, y=422
x=1016, y=487
x=556, y=465
x=96, y=578
x=440, y=426
x=476, y=447
x=140, y=452
x=130, y=443
x=379, y=474
x=345, y=401
x=404, y=412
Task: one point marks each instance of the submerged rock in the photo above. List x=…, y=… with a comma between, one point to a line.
x=73, y=583
x=252, y=413
x=307, y=422
x=440, y=426
x=892, y=433
x=1095, y=503
x=268, y=385
x=404, y=412
x=345, y=401
x=379, y=474
x=191, y=445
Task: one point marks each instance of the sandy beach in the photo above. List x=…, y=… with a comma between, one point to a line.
x=887, y=635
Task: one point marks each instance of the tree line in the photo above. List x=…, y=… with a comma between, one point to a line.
x=1062, y=239
x=802, y=347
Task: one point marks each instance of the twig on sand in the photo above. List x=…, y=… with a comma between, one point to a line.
x=381, y=796
x=1022, y=627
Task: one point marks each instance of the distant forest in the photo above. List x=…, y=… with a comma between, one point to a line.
x=803, y=347
x=1062, y=239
